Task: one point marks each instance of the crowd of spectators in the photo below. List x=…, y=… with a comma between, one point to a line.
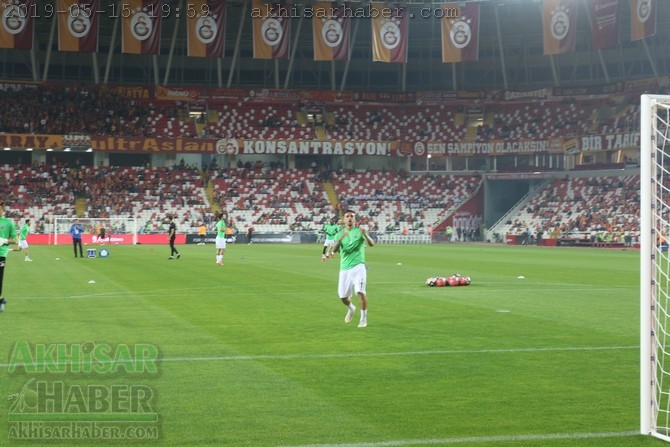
x=295, y=199
x=41, y=191
x=100, y=110
x=583, y=208
x=60, y=110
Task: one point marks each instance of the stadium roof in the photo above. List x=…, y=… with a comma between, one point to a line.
x=510, y=54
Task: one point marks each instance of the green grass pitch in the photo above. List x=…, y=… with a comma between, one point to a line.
x=256, y=353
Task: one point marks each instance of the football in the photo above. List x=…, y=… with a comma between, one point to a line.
x=453, y=280
x=431, y=282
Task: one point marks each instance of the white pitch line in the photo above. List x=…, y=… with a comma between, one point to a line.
x=161, y=293
x=230, y=358
x=478, y=439
x=390, y=354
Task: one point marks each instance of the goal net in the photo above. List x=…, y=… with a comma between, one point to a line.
x=108, y=230
x=655, y=266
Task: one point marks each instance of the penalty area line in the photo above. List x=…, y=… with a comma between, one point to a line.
x=478, y=439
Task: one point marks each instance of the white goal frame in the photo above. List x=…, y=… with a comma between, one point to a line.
x=654, y=266
x=62, y=226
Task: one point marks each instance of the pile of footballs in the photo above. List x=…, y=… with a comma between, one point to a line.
x=454, y=280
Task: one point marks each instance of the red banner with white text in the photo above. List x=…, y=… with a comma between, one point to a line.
x=91, y=242
x=604, y=23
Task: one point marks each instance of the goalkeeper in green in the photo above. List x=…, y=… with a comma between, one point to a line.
x=330, y=230
x=7, y=235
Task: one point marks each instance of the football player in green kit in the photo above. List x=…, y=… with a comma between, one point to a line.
x=350, y=242
x=330, y=229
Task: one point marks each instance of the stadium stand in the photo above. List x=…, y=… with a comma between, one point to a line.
x=580, y=208
x=149, y=194
x=394, y=201
x=273, y=198
x=53, y=109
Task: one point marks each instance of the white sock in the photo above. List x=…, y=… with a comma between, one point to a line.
x=351, y=306
x=364, y=314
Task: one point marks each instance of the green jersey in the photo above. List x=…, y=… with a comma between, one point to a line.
x=23, y=232
x=331, y=231
x=221, y=229
x=352, y=249
x=7, y=230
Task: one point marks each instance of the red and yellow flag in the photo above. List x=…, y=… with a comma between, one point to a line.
x=390, y=25
x=560, y=26
x=206, y=29
x=18, y=21
x=272, y=29
x=141, y=29
x=642, y=19
x=78, y=28
x=460, y=32
x=330, y=29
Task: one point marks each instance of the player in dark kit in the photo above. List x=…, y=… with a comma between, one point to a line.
x=172, y=234
x=7, y=236
x=102, y=234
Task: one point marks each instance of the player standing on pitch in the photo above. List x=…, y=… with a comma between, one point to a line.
x=330, y=230
x=220, y=240
x=76, y=230
x=23, y=239
x=172, y=234
x=7, y=235
x=353, y=273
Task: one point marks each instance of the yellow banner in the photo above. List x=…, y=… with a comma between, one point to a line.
x=153, y=145
x=25, y=141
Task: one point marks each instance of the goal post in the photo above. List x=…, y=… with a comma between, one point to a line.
x=117, y=229
x=655, y=266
